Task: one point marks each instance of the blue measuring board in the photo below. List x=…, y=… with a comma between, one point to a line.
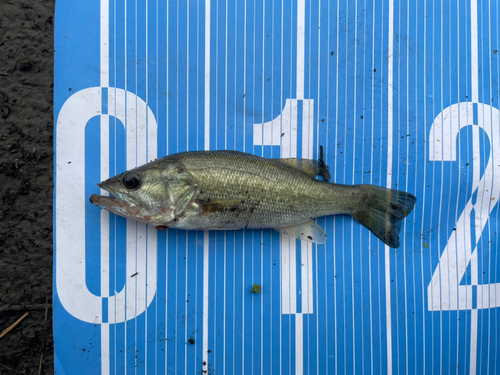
x=399, y=94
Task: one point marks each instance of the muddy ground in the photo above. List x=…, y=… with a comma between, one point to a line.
x=26, y=184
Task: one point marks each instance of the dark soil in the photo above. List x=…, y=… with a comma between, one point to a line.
x=26, y=175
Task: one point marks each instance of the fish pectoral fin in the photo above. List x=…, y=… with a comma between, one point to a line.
x=311, y=167
x=308, y=231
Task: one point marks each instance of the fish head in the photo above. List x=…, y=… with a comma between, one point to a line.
x=140, y=194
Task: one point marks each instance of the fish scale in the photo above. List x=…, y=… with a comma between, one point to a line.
x=278, y=195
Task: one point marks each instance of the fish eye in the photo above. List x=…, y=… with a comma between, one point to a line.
x=130, y=181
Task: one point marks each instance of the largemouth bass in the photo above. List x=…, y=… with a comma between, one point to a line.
x=233, y=190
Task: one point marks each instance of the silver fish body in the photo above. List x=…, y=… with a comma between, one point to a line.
x=232, y=190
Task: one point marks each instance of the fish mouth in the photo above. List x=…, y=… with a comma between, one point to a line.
x=106, y=202
x=115, y=205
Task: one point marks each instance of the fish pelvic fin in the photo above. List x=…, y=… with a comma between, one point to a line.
x=308, y=231
x=383, y=210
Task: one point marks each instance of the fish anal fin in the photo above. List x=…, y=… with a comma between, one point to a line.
x=308, y=231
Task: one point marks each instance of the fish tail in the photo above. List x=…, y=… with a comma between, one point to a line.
x=383, y=210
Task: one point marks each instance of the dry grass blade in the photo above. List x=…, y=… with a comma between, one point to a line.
x=40, y=306
x=41, y=361
x=46, y=311
x=7, y=330
x=13, y=225
x=7, y=367
x=45, y=333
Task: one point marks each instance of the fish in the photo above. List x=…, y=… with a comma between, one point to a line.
x=213, y=190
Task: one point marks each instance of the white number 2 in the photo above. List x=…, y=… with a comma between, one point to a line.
x=444, y=291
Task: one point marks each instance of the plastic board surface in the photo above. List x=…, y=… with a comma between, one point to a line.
x=399, y=94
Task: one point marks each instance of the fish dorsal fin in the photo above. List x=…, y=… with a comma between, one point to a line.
x=311, y=167
x=308, y=231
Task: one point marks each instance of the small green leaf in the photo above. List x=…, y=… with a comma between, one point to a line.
x=255, y=288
